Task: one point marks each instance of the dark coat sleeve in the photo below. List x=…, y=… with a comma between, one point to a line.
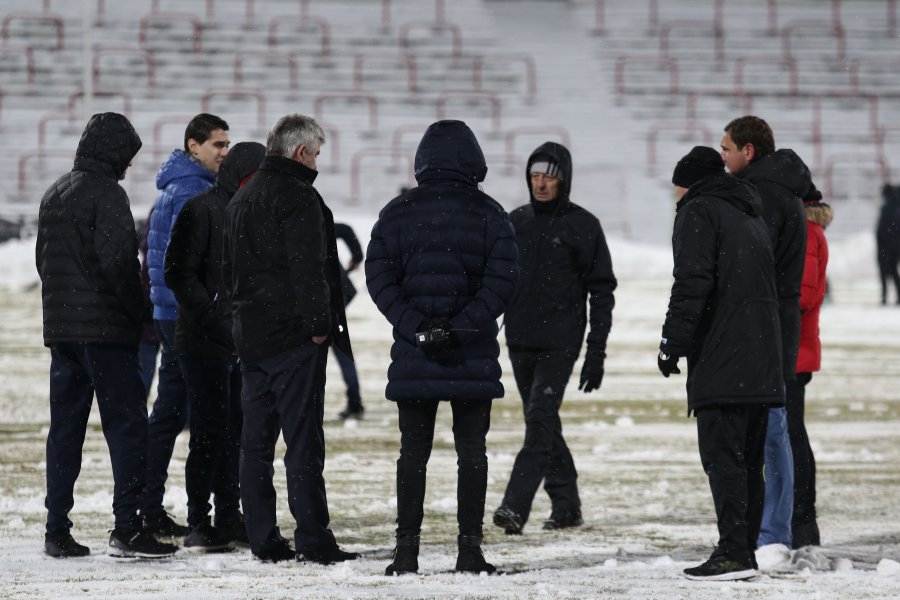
x=344, y=232
x=383, y=278
x=305, y=251
x=600, y=283
x=185, y=262
x=694, y=251
x=117, y=252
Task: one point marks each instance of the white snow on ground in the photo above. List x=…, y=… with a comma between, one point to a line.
x=647, y=507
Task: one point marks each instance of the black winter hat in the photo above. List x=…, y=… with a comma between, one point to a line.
x=812, y=194
x=700, y=163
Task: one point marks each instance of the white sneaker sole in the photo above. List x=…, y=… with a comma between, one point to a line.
x=732, y=576
x=120, y=553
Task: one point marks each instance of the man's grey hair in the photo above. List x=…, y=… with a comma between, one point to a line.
x=292, y=131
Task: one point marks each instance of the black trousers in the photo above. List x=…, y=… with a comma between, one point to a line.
x=285, y=393
x=77, y=373
x=471, y=422
x=214, y=398
x=804, y=517
x=541, y=377
x=732, y=440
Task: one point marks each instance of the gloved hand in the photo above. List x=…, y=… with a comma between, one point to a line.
x=434, y=336
x=592, y=372
x=668, y=362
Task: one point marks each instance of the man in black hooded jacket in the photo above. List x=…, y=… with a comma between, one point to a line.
x=206, y=355
x=565, y=264
x=723, y=316
x=94, y=310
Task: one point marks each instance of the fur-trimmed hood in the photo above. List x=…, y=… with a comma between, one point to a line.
x=819, y=213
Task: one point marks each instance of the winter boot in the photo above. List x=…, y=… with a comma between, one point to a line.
x=406, y=556
x=470, y=558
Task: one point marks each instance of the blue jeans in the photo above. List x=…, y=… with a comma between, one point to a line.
x=170, y=413
x=779, y=474
x=77, y=373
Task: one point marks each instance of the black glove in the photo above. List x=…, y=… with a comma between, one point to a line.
x=668, y=362
x=592, y=372
x=434, y=336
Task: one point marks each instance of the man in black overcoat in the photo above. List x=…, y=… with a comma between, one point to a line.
x=280, y=269
x=723, y=317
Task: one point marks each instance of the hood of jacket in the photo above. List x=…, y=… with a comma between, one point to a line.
x=108, y=144
x=180, y=165
x=449, y=149
x=782, y=167
x=561, y=156
x=737, y=192
x=242, y=160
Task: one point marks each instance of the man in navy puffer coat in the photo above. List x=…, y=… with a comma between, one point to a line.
x=442, y=261
x=182, y=176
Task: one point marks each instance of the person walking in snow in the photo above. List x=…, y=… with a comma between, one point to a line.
x=441, y=267
x=354, y=408
x=182, y=176
x=723, y=317
x=93, y=311
x=566, y=268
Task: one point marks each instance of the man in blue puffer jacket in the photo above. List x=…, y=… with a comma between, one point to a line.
x=441, y=266
x=182, y=176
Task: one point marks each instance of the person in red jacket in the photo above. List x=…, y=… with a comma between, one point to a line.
x=804, y=528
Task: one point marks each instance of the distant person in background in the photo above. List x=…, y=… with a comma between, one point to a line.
x=781, y=178
x=354, y=409
x=566, y=282
x=804, y=527
x=183, y=175
x=149, y=347
x=723, y=317
x=207, y=356
x=887, y=238
x=441, y=267
x=93, y=313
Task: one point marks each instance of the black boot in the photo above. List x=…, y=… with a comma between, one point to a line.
x=470, y=558
x=406, y=556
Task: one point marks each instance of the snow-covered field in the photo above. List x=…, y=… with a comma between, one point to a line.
x=647, y=508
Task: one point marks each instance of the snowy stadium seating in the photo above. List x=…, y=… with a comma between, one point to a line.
x=629, y=85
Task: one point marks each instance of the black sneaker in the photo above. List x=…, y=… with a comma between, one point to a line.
x=206, y=538
x=162, y=525
x=327, y=557
x=563, y=521
x=352, y=413
x=139, y=544
x=509, y=520
x=63, y=545
x=721, y=568
x=235, y=529
x=279, y=549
